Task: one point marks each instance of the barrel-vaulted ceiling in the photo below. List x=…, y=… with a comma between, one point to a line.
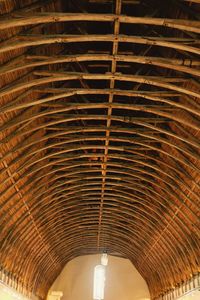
x=99, y=130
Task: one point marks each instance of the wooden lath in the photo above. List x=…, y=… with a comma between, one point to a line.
x=99, y=139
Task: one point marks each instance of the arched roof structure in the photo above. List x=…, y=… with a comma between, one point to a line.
x=100, y=106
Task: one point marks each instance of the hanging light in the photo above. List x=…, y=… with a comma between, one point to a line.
x=104, y=259
x=99, y=278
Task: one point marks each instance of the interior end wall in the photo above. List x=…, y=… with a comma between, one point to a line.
x=123, y=281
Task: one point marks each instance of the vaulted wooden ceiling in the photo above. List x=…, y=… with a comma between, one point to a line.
x=100, y=106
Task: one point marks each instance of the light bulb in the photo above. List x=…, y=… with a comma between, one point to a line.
x=104, y=259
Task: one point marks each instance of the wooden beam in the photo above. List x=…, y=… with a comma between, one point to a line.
x=29, y=61
x=188, y=45
x=161, y=111
x=48, y=77
x=64, y=93
x=38, y=18
x=118, y=7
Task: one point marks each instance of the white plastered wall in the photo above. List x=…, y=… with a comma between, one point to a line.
x=123, y=281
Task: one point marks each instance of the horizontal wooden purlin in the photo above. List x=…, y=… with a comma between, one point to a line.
x=61, y=125
x=97, y=76
x=191, y=142
x=82, y=226
x=136, y=159
x=181, y=65
x=94, y=197
x=129, y=158
x=160, y=111
x=64, y=76
x=58, y=188
x=51, y=17
x=161, y=93
x=64, y=93
x=188, y=45
x=124, y=173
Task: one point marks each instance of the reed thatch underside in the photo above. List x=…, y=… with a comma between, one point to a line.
x=100, y=131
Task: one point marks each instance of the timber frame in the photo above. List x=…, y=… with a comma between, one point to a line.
x=100, y=138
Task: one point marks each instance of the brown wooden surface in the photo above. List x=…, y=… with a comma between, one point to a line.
x=100, y=138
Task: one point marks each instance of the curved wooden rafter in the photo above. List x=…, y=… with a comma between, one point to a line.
x=166, y=190
x=55, y=212
x=185, y=66
x=24, y=20
x=139, y=133
x=77, y=180
x=38, y=40
x=115, y=139
x=62, y=76
x=73, y=92
x=99, y=140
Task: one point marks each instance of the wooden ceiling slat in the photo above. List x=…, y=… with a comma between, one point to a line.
x=99, y=138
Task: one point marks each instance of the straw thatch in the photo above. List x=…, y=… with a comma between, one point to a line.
x=100, y=107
